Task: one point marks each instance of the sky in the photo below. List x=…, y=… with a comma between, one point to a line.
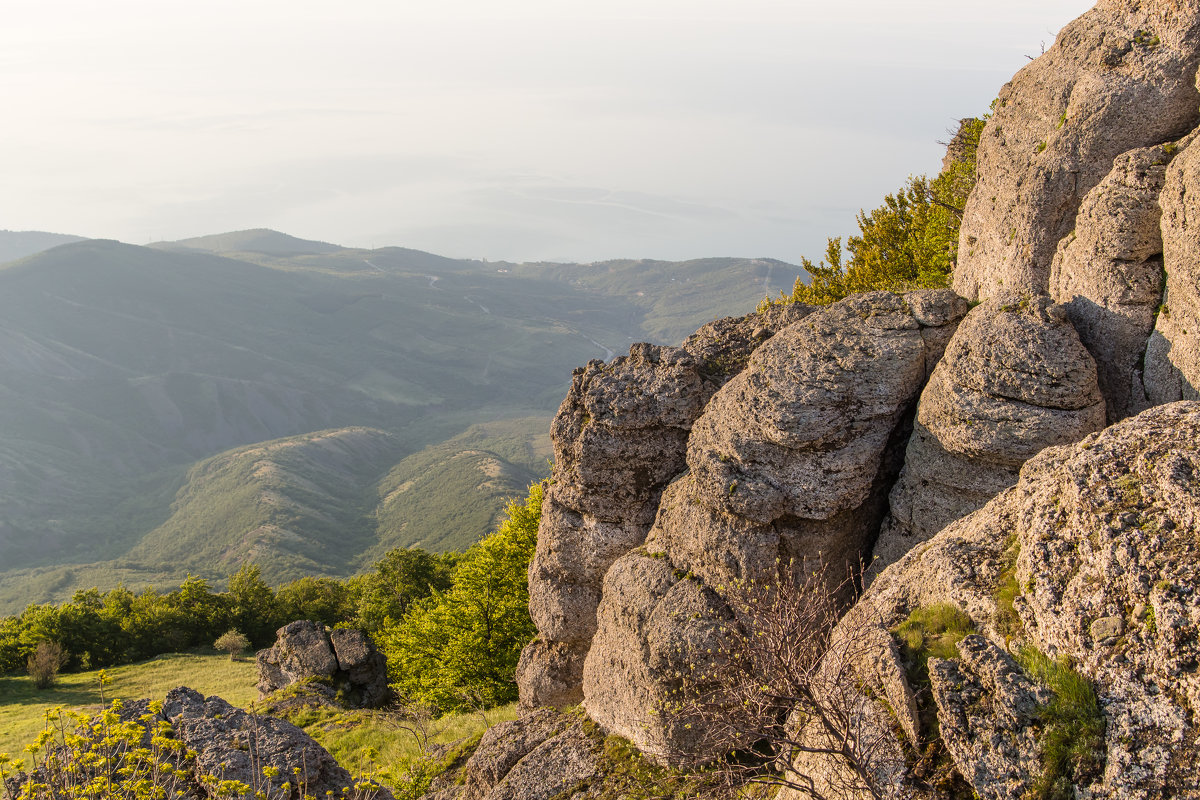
x=519, y=130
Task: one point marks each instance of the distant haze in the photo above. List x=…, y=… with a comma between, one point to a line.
x=522, y=130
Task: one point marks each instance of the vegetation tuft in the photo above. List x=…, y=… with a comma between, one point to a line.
x=1073, y=735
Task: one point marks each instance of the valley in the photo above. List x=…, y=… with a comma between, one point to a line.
x=184, y=407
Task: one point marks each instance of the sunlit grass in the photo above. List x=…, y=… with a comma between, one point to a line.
x=23, y=708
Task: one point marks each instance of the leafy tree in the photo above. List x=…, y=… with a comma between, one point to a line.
x=323, y=600
x=253, y=606
x=400, y=579
x=909, y=242
x=459, y=648
x=233, y=642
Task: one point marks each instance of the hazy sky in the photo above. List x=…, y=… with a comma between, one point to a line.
x=518, y=129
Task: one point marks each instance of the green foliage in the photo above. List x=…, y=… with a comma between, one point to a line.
x=1073, y=733
x=326, y=600
x=458, y=649
x=400, y=579
x=233, y=642
x=253, y=608
x=934, y=631
x=1008, y=622
x=909, y=242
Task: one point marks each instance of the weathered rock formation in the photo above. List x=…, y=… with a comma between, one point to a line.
x=1121, y=77
x=537, y=757
x=619, y=437
x=1099, y=546
x=1172, y=370
x=346, y=658
x=790, y=465
x=1015, y=379
x=766, y=446
x=1109, y=273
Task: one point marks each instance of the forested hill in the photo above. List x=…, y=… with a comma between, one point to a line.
x=138, y=381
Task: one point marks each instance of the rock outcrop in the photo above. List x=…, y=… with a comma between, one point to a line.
x=1172, y=369
x=1015, y=379
x=346, y=658
x=1109, y=274
x=790, y=465
x=1092, y=560
x=1121, y=77
x=619, y=437
x=232, y=745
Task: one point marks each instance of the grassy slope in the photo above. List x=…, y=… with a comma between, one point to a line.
x=122, y=368
x=447, y=496
x=23, y=708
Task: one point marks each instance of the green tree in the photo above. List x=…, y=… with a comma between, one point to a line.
x=459, y=648
x=323, y=600
x=253, y=606
x=233, y=642
x=401, y=578
x=909, y=242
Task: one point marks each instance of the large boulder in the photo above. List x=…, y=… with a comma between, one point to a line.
x=1120, y=77
x=1092, y=560
x=1172, y=370
x=620, y=437
x=789, y=469
x=1109, y=273
x=233, y=745
x=1015, y=379
x=346, y=658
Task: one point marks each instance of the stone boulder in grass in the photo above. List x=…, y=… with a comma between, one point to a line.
x=344, y=657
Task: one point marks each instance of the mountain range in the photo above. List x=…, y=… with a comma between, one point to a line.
x=188, y=406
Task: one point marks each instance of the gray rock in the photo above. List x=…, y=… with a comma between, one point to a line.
x=1109, y=274
x=1172, y=368
x=552, y=673
x=555, y=766
x=1120, y=77
x=988, y=718
x=620, y=437
x=790, y=465
x=233, y=745
x=304, y=650
x=1099, y=529
x=1015, y=379
x=502, y=748
x=656, y=629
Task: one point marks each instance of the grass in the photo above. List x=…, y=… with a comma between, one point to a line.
x=1073, y=735
x=348, y=735
x=932, y=632
x=23, y=708
x=1008, y=621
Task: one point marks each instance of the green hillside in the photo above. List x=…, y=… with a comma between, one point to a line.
x=438, y=497
x=298, y=506
x=123, y=368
